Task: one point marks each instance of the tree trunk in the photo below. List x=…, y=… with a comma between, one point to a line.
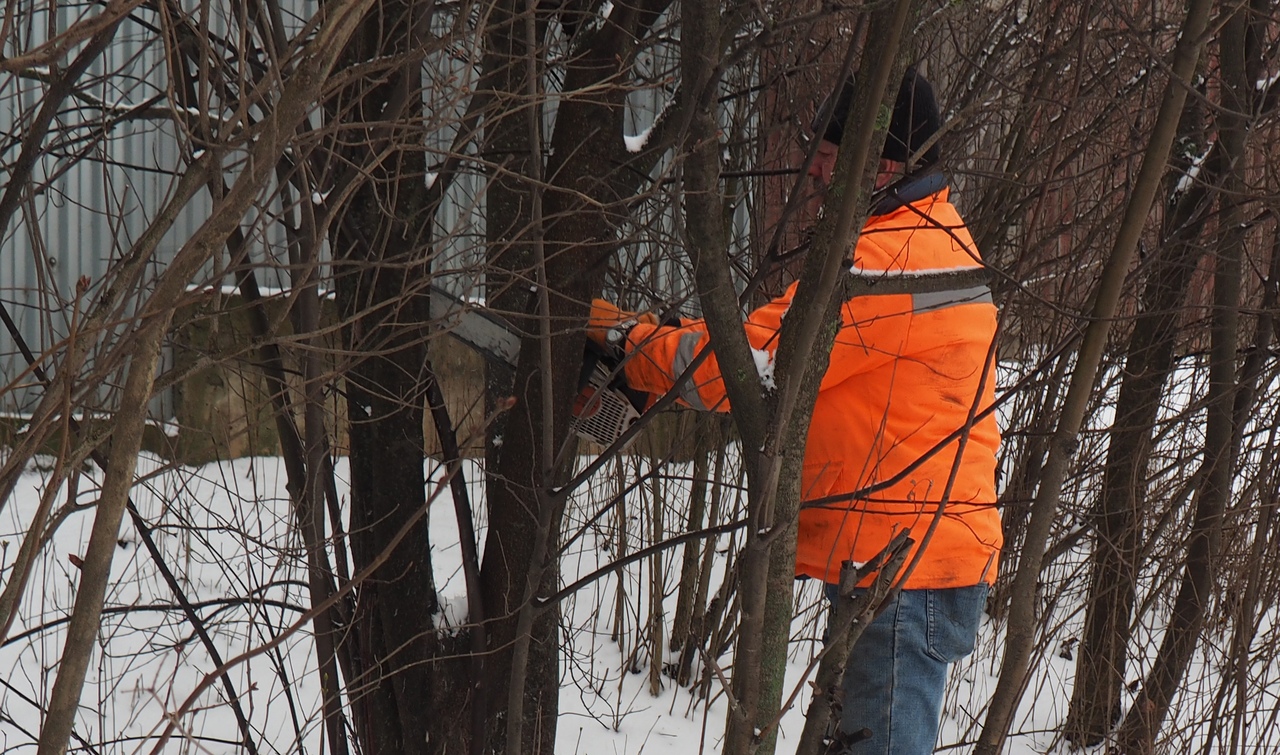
x=1015, y=501
x=82, y=630
x=686, y=591
x=774, y=424
x=707, y=240
x=1020, y=637
x=1255, y=572
x=560, y=240
x=1141, y=724
x=1104, y=645
x=380, y=277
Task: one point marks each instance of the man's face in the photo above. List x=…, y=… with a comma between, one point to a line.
x=824, y=164
x=820, y=170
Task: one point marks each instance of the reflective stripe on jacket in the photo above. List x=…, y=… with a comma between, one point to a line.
x=905, y=373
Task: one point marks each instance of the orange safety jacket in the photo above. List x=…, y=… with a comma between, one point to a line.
x=906, y=372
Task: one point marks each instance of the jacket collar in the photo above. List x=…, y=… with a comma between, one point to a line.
x=909, y=189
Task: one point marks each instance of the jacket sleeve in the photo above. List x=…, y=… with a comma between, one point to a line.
x=870, y=336
x=659, y=354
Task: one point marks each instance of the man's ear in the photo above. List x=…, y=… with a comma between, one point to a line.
x=888, y=172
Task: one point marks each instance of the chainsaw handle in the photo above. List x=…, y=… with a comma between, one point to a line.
x=593, y=356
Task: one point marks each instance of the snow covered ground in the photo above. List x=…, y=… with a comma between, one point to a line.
x=225, y=529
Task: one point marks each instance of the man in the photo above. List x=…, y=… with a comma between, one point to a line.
x=907, y=372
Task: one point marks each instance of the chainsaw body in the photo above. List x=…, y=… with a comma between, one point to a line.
x=605, y=406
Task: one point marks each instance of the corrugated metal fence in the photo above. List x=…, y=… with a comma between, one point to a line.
x=103, y=173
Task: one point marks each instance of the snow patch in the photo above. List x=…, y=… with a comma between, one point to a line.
x=1192, y=173
x=263, y=291
x=764, y=366
x=451, y=614
x=636, y=143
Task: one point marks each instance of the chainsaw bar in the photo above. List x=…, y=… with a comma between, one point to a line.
x=476, y=327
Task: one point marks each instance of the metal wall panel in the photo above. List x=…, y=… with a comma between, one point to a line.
x=86, y=213
x=89, y=213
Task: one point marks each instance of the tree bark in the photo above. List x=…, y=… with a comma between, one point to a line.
x=1020, y=637
x=1104, y=645
x=686, y=591
x=774, y=424
x=381, y=273
x=82, y=632
x=707, y=240
x=561, y=247
x=1142, y=723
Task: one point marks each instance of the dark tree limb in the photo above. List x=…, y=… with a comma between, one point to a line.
x=1020, y=637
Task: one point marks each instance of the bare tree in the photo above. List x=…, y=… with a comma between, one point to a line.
x=333, y=162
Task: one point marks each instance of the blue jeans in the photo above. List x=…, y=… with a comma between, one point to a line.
x=897, y=671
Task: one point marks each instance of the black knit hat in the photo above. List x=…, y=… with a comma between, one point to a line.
x=915, y=119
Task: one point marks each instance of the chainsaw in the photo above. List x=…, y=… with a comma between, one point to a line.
x=605, y=406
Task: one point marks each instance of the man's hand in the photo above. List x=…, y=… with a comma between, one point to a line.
x=608, y=325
